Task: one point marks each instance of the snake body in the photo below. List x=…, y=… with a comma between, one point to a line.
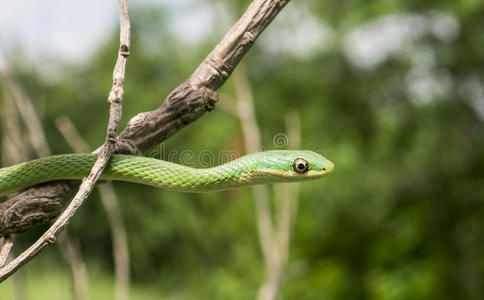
x=256, y=168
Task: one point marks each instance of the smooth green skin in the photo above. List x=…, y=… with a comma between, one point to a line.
x=256, y=168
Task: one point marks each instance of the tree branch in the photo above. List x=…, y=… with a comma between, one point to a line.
x=115, y=100
x=191, y=99
x=184, y=105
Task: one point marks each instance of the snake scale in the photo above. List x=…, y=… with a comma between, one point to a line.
x=255, y=168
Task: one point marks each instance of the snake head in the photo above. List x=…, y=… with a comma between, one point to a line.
x=295, y=165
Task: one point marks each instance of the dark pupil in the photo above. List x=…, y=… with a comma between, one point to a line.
x=300, y=166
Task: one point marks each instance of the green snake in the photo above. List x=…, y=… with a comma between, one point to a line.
x=255, y=168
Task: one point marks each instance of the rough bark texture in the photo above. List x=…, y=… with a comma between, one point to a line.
x=185, y=104
x=33, y=206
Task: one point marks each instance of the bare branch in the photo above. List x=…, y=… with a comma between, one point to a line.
x=115, y=101
x=184, y=105
x=191, y=99
x=115, y=98
x=5, y=250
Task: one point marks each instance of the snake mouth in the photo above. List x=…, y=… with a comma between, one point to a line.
x=294, y=176
x=328, y=169
x=317, y=174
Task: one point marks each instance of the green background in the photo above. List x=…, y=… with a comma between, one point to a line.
x=402, y=216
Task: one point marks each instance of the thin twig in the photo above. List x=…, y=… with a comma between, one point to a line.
x=116, y=95
x=113, y=211
x=5, y=250
x=115, y=100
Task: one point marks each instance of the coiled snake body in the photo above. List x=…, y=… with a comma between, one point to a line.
x=256, y=168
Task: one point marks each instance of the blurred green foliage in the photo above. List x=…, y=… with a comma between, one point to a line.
x=402, y=217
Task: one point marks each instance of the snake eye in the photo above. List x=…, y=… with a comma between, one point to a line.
x=300, y=165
